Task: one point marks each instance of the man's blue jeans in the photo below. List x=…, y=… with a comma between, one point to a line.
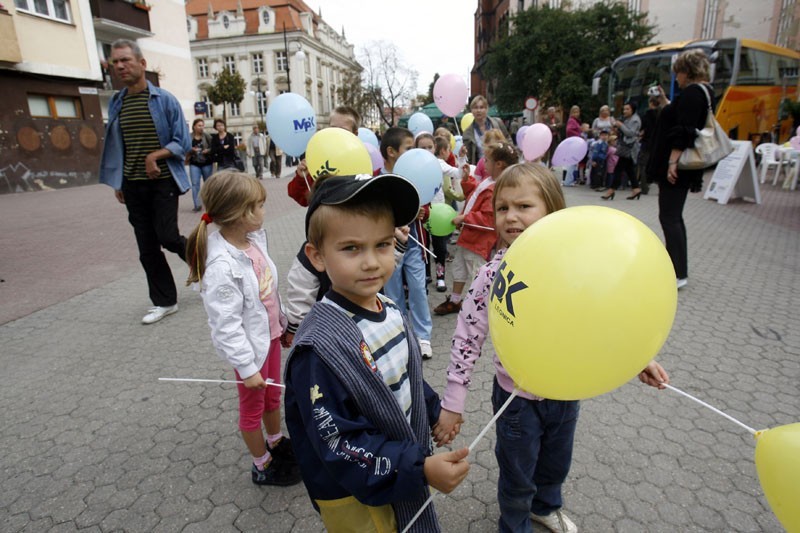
x=534, y=453
x=414, y=267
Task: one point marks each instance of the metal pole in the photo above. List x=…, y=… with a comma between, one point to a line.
x=286, y=51
x=258, y=101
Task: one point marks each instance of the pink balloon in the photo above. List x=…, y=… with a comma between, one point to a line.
x=450, y=94
x=521, y=134
x=794, y=142
x=570, y=152
x=536, y=141
x=375, y=156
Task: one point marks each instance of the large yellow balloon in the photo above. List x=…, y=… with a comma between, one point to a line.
x=778, y=466
x=582, y=301
x=337, y=152
x=466, y=121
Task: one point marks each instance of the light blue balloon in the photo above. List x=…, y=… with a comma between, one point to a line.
x=367, y=136
x=419, y=122
x=421, y=168
x=459, y=144
x=291, y=122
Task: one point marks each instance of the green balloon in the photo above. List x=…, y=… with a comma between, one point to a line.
x=440, y=222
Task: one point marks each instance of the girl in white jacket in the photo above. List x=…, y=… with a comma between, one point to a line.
x=239, y=284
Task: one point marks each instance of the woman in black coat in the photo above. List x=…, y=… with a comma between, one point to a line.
x=223, y=146
x=676, y=131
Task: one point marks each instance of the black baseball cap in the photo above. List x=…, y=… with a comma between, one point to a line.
x=337, y=190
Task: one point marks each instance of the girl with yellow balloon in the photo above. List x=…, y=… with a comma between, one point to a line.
x=535, y=425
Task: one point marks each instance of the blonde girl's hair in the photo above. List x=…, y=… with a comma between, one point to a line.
x=542, y=177
x=493, y=136
x=442, y=132
x=423, y=135
x=503, y=151
x=228, y=196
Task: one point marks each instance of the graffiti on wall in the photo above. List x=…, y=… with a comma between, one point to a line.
x=19, y=178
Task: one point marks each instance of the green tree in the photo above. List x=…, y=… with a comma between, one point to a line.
x=553, y=53
x=429, y=97
x=229, y=87
x=352, y=93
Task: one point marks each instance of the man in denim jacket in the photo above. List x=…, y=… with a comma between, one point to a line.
x=146, y=141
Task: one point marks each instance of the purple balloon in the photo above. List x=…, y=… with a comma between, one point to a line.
x=794, y=142
x=374, y=155
x=521, y=134
x=536, y=141
x=570, y=152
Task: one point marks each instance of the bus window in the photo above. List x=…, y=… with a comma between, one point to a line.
x=758, y=68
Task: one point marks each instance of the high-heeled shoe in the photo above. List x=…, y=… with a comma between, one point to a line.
x=608, y=196
x=634, y=196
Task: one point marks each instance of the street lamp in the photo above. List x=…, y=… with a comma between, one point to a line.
x=300, y=55
x=259, y=96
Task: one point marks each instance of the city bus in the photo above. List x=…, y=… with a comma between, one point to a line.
x=753, y=81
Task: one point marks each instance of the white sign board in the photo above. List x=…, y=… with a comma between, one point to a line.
x=735, y=176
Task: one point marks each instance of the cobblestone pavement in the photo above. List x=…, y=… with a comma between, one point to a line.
x=92, y=441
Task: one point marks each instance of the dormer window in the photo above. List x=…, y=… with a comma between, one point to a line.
x=226, y=22
x=265, y=16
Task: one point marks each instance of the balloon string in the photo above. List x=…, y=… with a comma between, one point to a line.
x=423, y=247
x=269, y=381
x=471, y=446
x=704, y=404
x=477, y=226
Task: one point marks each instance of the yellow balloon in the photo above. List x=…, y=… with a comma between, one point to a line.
x=466, y=121
x=778, y=466
x=337, y=152
x=452, y=142
x=582, y=301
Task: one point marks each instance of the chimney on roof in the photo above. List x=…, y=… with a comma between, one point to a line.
x=343, y=36
x=319, y=11
x=210, y=11
x=239, y=10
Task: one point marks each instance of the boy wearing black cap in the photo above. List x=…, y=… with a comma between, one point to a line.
x=357, y=408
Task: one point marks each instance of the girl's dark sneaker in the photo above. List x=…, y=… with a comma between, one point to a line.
x=273, y=474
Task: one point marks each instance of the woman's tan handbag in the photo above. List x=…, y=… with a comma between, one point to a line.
x=711, y=145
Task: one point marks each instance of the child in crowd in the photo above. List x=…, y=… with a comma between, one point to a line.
x=586, y=135
x=611, y=165
x=477, y=238
x=534, y=435
x=492, y=136
x=239, y=286
x=597, y=159
x=344, y=117
x=357, y=408
x=411, y=271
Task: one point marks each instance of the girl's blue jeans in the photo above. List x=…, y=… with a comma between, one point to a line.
x=534, y=453
x=195, y=173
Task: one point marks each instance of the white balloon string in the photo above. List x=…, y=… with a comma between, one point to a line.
x=477, y=226
x=269, y=381
x=704, y=404
x=471, y=446
x=458, y=130
x=421, y=246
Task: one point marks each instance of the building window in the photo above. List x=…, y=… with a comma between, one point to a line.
x=226, y=21
x=635, y=6
x=229, y=63
x=202, y=67
x=189, y=25
x=265, y=16
x=43, y=106
x=261, y=100
x=55, y=9
x=280, y=57
x=258, y=64
x=235, y=111
x=209, y=107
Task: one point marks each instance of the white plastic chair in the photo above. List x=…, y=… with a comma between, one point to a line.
x=791, y=159
x=770, y=156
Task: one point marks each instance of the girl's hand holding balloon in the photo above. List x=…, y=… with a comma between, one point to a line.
x=255, y=382
x=448, y=426
x=654, y=375
x=401, y=234
x=444, y=471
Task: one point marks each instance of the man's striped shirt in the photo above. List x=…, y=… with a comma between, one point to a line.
x=139, y=135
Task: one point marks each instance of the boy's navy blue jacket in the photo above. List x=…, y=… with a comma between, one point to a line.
x=599, y=151
x=340, y=449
